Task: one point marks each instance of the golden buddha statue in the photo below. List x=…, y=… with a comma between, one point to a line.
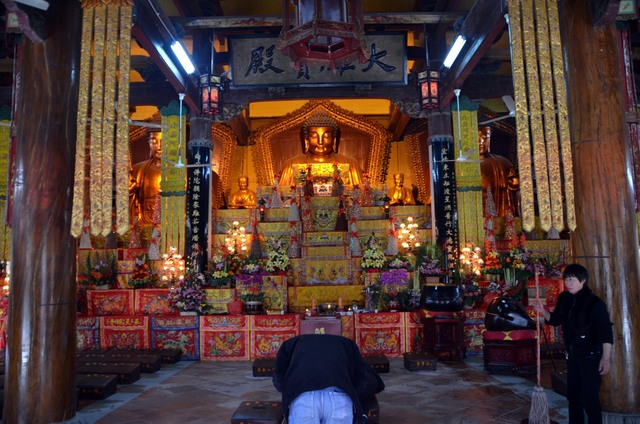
x=243, y=198
x=320, y=137
x=498, y=174
x=399, y=194
x=144, y=182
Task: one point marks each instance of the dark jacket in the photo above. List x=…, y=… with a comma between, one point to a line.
x=317, y=361
x=585, y=322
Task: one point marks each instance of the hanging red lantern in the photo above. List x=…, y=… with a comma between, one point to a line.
x=428, y=82
x=323, y=32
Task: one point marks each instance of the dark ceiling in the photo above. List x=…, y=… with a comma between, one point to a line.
x=482, y=71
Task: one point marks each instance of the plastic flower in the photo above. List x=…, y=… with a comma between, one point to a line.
x=188, y=294
x=372, y=256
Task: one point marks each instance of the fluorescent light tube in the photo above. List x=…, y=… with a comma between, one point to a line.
x=458, y=44
x=183, y=57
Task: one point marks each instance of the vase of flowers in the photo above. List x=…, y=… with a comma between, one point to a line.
x=278, y=261
x=188, y=295
x=373, y=257
x=250, y=285
x=143, y=275
x=99, y=273
x=430, y=262
x=391, y=282
x=218, y=275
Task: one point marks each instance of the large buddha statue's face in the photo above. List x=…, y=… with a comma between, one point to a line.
x=484, y=140
x=243, y=183
x=155, y=145
x=320, y=140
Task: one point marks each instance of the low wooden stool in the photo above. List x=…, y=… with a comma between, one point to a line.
x=509, y=351
x=168, y=356
x=372, y=408
x=149, y=363
x=96, y=386
x=127, y=372
x=380, y=363
x=258, y=412
x=264, y=367
x=420, y=361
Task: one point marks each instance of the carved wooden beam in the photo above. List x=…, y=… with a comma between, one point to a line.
x=483, y=24
x=244, y=22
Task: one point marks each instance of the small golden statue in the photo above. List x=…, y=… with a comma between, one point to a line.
x=399, y=194
x=243, y=198
x=144, y=182
x=499, y=175
x=320, y=137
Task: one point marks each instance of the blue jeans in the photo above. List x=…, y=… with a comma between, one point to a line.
x=327, y=406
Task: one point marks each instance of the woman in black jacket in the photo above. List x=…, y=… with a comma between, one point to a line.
x=588, y=338
x=324, y=379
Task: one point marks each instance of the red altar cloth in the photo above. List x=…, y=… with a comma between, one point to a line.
x=381, y=333
x=88, y=333
x=224, y=338
x=110, y=302
x=153, y=302
x=125, y=332
x=177, y=332
x=268, y=332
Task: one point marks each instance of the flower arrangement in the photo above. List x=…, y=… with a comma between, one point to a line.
x=429, y=259
x=188, y=294
x=217, y=274
x=277, y=258
x=390, y=283
x=472, y=295
x=250, y=280
x=372, y=256
x=409, y=299
x=143, y=274
x=100, y=272
x=399, y=262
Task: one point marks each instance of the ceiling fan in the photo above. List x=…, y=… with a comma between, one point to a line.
x=511, y=106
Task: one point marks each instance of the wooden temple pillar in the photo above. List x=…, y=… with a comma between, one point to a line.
x=40, y=369
x=606, y=238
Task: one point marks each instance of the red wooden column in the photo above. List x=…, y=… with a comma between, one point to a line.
x=40, y=380
x=606, y=240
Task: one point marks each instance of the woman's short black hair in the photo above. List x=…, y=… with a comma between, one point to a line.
x=577, y=271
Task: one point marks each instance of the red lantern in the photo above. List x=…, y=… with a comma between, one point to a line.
x=323, y=32
x=429, y=90
x=210, y=94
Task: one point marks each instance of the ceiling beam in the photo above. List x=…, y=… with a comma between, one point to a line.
x=244, y=22
x=483, y=24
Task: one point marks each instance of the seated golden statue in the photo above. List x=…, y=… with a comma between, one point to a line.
x=144, y=182
x=499, y=175
x=399, y=194
x=243, y=198
x=320, y=137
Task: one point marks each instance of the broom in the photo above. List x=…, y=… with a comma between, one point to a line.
x=539, y=412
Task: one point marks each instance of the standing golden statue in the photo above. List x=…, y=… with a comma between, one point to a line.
x=320, y=137
x=499, y=175
x=243, y=198
x=144, y=182
x=399, y=194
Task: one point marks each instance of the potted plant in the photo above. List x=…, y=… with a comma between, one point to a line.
x=187, y=295
x=100, y=273
x=143, y=275
x=430, y=262
x=391, y=282
x=278, y=261
x=373, y=257
x=217, y=274
x=249, y=284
